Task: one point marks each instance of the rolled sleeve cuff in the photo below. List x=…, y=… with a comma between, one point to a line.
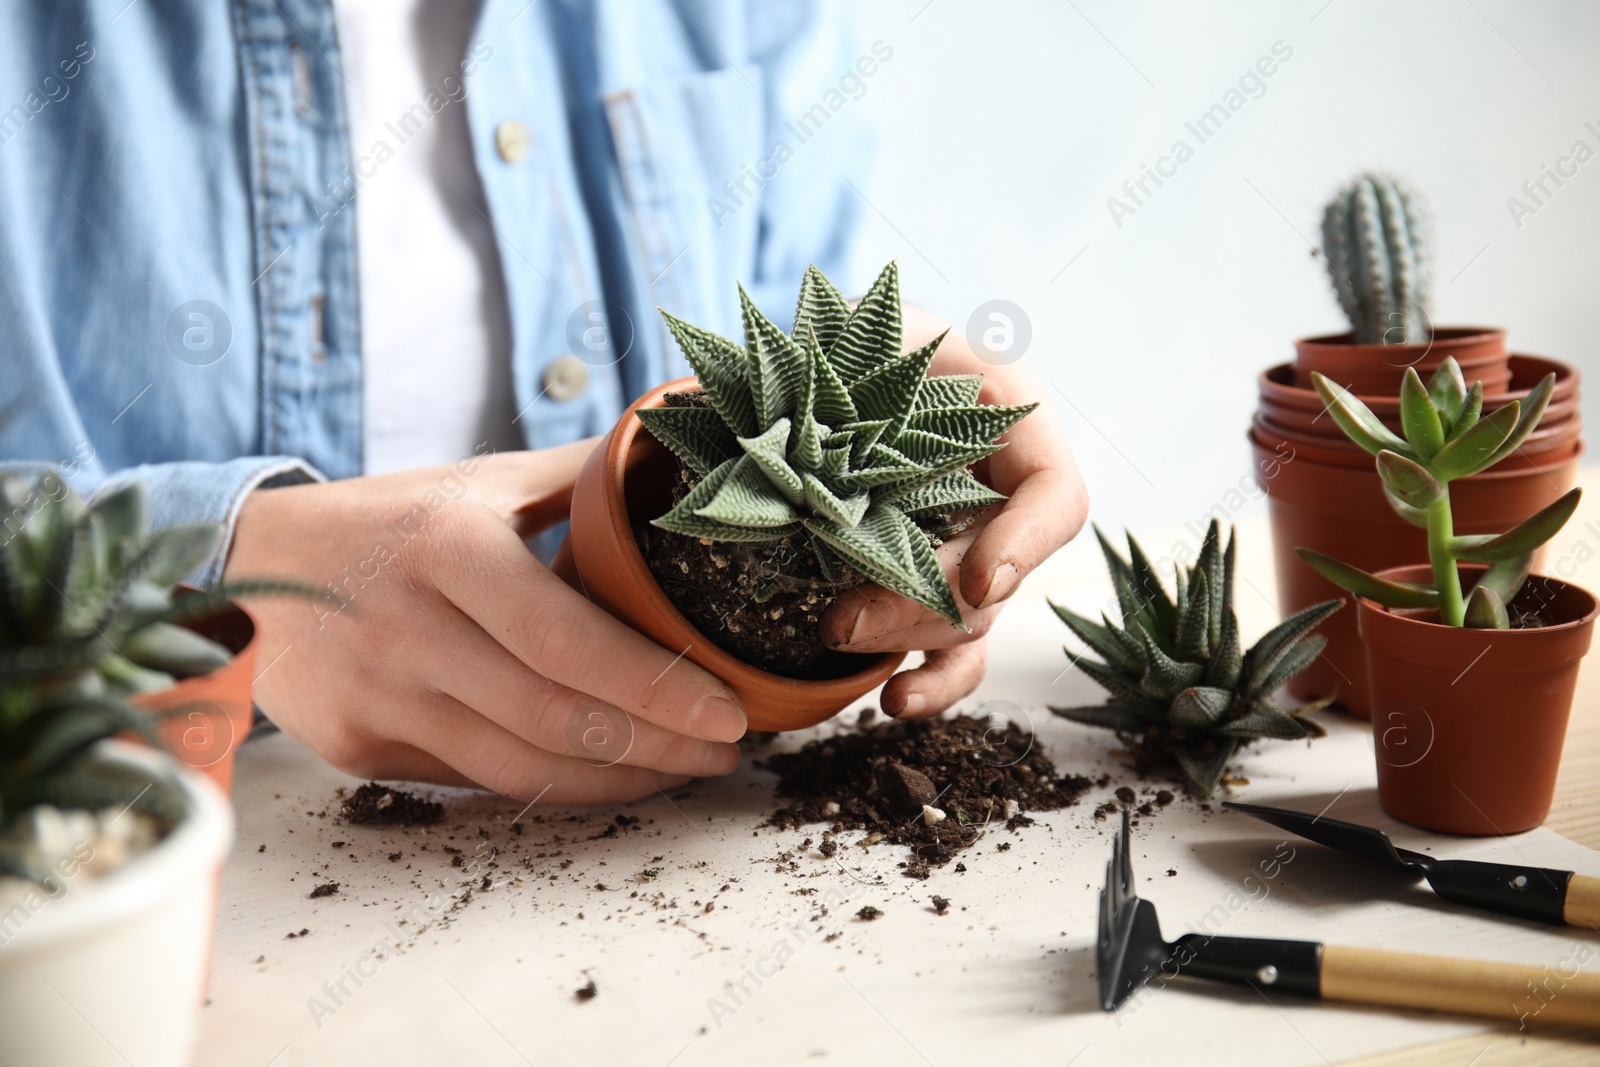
x=182, y=493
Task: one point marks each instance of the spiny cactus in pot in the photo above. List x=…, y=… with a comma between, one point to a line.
x=1378, y=250
x=819, y=460
x=1182, y=689
x=1445, y=436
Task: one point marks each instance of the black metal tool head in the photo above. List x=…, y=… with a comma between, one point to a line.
x=1130, y=950
x=1347, y=837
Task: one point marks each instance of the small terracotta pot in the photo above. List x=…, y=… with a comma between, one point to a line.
x=628, y=478
x=1342, y=511
x=212, y=714
x=1468, y=724
x=1544, y=443
x=1378, y=369
x=1300, y=407
x=1320, y=424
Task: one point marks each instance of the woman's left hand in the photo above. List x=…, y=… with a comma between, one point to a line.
x=1047, y=507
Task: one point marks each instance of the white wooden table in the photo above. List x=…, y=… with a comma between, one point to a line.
x=743, y=947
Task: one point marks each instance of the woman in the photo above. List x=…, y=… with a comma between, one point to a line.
x=362, y=280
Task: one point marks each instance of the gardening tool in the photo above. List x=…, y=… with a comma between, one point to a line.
x=1131, y=953
x=1540, y=893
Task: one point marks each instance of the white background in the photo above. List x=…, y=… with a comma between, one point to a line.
x=1004, y=128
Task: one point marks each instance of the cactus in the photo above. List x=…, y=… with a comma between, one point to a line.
x=834, y=432
x=1445, y=436
x=1376, y=243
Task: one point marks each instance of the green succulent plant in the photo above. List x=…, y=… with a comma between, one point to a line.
x=833, y=432
x=1445, y=436
x=1376, y=243
x=87, y=620
x=1181, y=688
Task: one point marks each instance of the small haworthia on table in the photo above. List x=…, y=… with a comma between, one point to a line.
x=833, y=432
x=1177, y=677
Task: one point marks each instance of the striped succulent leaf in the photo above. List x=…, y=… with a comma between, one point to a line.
x=833, y=432
x=1181, y=688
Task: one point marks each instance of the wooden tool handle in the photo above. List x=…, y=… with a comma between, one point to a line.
x=1559, y=993
x=1582, y=907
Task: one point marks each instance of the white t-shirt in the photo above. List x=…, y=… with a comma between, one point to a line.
x=435, y=331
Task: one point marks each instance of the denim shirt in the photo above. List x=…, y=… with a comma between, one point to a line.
x=178, y=255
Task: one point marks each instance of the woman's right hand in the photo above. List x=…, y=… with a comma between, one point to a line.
x=456, y=656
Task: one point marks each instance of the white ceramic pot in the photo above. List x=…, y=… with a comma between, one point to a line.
x=111, y=971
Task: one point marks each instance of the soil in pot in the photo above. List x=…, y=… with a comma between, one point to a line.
x=1469, y=724
x=885, y=779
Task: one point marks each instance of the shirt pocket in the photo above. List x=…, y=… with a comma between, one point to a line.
x=690, y=152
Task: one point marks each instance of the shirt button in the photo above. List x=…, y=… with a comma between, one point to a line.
x=512, y=141
x=565, y=378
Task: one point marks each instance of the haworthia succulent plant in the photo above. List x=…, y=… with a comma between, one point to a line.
x=1378, y=249
x=1445, y=436
x=833, y=433
x=1181, y=688
x=87, y=619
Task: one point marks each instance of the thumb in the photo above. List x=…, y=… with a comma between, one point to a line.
x=533, y=490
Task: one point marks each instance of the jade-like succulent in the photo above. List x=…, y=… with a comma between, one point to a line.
x=1445, y=436
x=1181, y=689
x=1376, y=243
x=87, y=619
x=833, y=432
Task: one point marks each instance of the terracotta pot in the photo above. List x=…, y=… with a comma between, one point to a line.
x=628, y=479
x=1545, y=442
x=214, y=712
x=1342, y=511
x=1468, y=724
x=1319, y=424
x=1378, y=369
x=1300, y=408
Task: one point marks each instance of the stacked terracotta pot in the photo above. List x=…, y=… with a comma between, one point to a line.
x=1323, y=491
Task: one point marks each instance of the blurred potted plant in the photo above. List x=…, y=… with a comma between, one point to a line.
x=109, y=855
x=1479, y=757
x=89, y=607
x=1182, y=690
x=790, y=469
x=1378, y=249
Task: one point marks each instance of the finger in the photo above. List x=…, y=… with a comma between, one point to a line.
x=944, y=677
x=497, y=685
x=493, y=758
x=869, y=618
x=532, y=491
x=885, y=625
x=1047, y=507
x=490, y=576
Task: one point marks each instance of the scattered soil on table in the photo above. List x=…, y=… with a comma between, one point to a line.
x=326, y=889
x=868, y=913
x=936, y=785
x=762, y=602
x=586, y=992
x=378, y=805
